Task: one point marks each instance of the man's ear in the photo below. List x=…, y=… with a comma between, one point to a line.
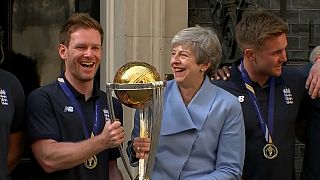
x=62, y=49
x=249, y=54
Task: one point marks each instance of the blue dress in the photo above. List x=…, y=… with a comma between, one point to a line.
x=204, y=140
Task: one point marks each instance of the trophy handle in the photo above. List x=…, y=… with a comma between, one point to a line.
x=150, y=126
x=112, y=118
x=155, y=124
x=144, y=133
x=150, y=123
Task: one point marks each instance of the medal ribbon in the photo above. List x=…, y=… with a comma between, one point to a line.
x=266, y=131
x=77, y=108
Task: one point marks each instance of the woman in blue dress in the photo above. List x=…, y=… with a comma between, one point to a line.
x=202, y=134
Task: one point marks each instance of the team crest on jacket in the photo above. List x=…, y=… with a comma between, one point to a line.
x=106, y=114
x=3, y=97
x=287, y=95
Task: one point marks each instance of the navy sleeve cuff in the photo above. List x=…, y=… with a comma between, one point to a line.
x=132, y=155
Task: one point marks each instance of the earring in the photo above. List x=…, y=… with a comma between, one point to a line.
x=201, y=69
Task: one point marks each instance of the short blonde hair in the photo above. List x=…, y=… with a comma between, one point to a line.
x=257, y=26
x=315, y=53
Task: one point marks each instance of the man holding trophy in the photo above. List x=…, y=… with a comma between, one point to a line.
x=202, y=132
x=69, y=126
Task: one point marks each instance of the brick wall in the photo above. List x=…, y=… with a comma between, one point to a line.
x=301, y=37
x=299, y=13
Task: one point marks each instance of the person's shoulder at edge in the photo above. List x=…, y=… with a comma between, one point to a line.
x=4, y=72
x=304, y=69
x=224, y=93
x=297, y=74
x=8, y=76
x=48, y=89
x=232, y=82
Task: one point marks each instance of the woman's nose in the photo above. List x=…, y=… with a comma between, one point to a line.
x=175, y=58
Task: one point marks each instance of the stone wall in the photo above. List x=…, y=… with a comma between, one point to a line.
x=299, y=13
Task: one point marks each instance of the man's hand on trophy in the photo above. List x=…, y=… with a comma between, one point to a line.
x=222, y=74
x=141, y=146
x=112, y=134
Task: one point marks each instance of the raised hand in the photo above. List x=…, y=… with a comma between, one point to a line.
x=223, y=73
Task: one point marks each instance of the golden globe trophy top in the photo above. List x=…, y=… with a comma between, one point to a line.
x=137, y=85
